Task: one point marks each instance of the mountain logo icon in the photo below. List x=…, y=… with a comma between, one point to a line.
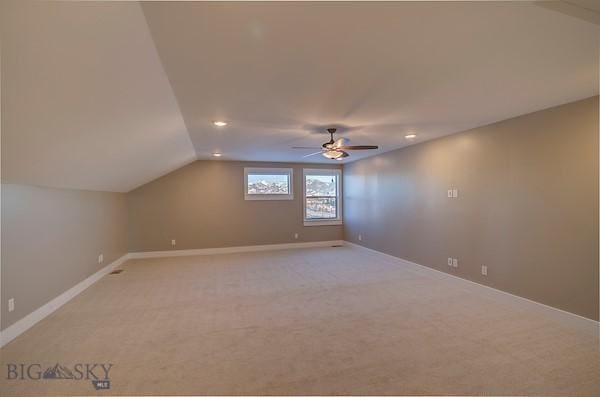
x=57, y=372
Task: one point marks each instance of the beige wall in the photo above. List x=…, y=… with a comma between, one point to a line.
x=51, y=239
x=527, y=206
x=202, y=206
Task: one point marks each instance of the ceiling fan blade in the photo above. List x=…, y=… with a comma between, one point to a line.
x=357, y=147
x=305, y=147
x=312, y=154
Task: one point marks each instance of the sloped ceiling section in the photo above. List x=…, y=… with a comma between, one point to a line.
x=280, y=72
x=85, y=101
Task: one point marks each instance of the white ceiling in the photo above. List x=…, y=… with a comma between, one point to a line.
x=88, y=104
x=277, y=71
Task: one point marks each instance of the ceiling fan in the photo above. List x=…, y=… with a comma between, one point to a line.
x=336, y=149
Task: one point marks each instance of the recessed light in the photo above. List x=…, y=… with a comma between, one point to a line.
x=217, y=154
x=219, y=123
x=410, y=136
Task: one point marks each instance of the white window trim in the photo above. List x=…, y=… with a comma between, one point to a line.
x=323, y=171
x=269, y=171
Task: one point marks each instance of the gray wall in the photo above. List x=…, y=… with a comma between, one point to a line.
x=527, y=206
x=51, y=239
x=202, y=206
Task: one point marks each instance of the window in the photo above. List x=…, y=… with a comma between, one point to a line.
x=268, y=184
x=322, y=197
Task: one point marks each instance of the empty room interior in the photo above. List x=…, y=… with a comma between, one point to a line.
x=299, y=198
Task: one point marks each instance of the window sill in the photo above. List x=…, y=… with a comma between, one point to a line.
x=257, y=197
x=323, y=222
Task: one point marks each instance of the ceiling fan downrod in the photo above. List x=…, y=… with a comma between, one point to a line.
x=328, y=145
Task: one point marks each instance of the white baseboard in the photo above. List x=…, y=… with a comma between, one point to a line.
x=39, y=314
x=231, y=250
x=572, y=320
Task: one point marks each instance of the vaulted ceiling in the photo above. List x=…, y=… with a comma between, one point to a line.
x=86, y=103
x=107, y=96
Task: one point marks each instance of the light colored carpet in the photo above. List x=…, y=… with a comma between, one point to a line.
x=312, y=321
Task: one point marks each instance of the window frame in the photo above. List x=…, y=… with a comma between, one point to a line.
x=269, y=171
x=323, y=171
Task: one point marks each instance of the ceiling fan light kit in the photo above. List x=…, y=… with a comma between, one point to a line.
x=333, y=154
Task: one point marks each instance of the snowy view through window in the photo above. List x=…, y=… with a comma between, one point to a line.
x=268, y=184
x=321, y=197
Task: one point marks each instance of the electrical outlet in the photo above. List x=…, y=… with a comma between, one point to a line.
x=455, y=193
x=449, y=261
x=484, y=270
x=449, y=193
x=173, y=242
x=100, y=258
x=454, y=262
x=296, y=236
x=360, y=237
x=11, y=304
